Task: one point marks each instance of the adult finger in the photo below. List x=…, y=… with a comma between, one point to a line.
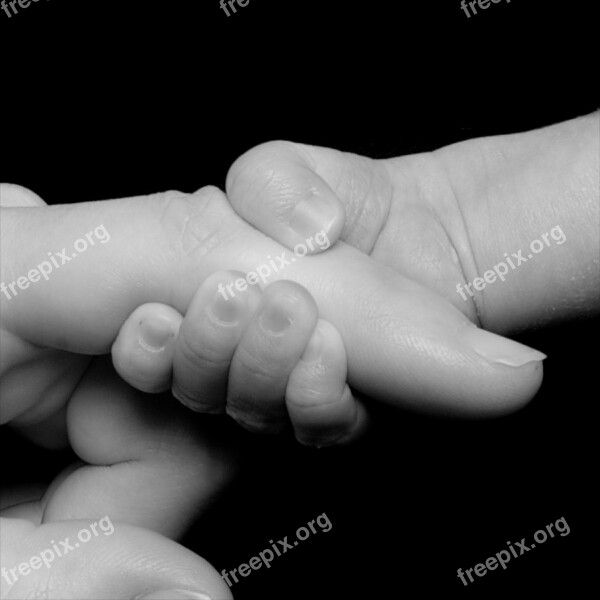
x=406, y=344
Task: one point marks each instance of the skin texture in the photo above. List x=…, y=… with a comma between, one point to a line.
x=263, y=357
x=395, y=331
x=407, y=333
x=128, y=563
x=54, y=393
x=445, y=217
x=144, y=464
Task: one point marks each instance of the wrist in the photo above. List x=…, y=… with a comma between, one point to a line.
x=510, y=193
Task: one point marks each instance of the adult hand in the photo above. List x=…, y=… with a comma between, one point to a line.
x=144, y=463
x=396, y=332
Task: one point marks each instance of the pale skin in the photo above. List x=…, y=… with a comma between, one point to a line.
x=474, y=201
x=163, y=468
x=388, y=195
x=430, y=217
x=143, y=463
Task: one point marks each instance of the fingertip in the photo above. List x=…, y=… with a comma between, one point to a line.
x=321, y=406
x=316, y=222
x=269, y=350
x=514, y=371
x=143, y=351
x=12, y=194
x=293, y=297
x=276, y=188
x=209, y=335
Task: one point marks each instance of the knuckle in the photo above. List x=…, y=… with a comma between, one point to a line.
x=308, y=399
x=197, y=224
x=197, y=352
x=256, y=371
x=261, y=369
x=191, y=400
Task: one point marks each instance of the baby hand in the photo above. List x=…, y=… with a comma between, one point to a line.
x=264, y=357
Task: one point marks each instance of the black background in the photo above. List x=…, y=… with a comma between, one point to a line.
x=108, y=99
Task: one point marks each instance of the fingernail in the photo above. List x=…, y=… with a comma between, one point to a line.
x=155, y=334
x=311, y=216
x=226, y=310
x=174, y=595
x=496, y=348
x=275, y=319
